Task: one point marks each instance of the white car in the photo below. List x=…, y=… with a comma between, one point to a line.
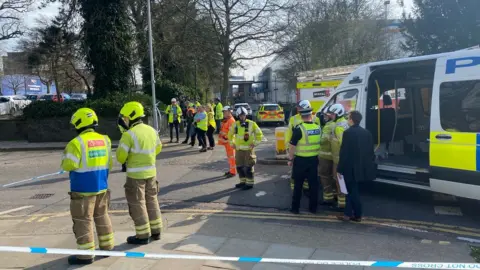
x=11, y=105
x=246, y=106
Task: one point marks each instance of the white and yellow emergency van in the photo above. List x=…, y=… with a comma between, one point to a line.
x=424, y=115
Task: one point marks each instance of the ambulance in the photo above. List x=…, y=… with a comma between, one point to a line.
x=424, y=115
x=317, y=86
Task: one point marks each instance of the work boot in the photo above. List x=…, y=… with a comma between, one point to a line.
x=229, y=175
x=73, y=260
x=240, y=185
x=133, y=240
x=156, y=236
x=124, y=168
x=247, y=187
x=171, y=140
x=185, y=142
x=203, y=150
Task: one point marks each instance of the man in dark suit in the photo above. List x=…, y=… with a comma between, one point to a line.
x=356, y=164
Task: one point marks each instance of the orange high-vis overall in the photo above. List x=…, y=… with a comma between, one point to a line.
x=223, y=140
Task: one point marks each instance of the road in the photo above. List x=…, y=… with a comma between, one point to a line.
x=400, y=224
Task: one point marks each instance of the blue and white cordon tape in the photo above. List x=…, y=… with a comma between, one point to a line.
x=142, y=255
x=33, y=178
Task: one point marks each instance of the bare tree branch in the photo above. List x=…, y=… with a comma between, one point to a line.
x=11, y=15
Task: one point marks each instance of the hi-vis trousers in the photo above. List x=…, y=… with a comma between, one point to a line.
x=341, y=198
x=246, y=160
x=231, y=158
x=85, y=211
x=143, y=206
x=325, y=171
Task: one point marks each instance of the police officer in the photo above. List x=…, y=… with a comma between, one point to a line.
x=336, y=113
x=139, y=146
x=303, y=157
x=88, y=159
x=325, y=162
x=244, y=136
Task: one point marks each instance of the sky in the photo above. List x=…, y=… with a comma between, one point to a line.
x=252, y=67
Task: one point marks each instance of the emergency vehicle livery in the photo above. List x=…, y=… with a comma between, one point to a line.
x=424, y=115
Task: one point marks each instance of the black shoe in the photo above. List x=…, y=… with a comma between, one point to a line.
x=192, y=144
x=124, y=168
x=240, y=185
x=185, y=142
x=73, y=260
x=156, y=236
x=247, y=187
x=313, y=211
x=324, y=203
x=133, y=240
x=210, y=148
x=171, y=140
x=177, y=141
x=295, y=211
x=229, y=175
x=203, y=150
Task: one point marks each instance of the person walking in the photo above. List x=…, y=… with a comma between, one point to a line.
x=303, y=157
x=201, y=124
x=218, y=114
x=356, y=164
x=174, y=118
x=88, y=158
x=212, y=125
x=244, y=136
x=227, y=123
x=139, y=146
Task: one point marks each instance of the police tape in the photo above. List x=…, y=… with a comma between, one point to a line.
x=33, y=178
x=142, y=255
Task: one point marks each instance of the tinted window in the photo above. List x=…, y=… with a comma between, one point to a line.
x=271, y=108
x=460, y=106
x=47, y=97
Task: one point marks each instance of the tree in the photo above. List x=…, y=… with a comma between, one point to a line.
x=15, y=82
x=11, y=13
x=441, y=26
x=245, y=30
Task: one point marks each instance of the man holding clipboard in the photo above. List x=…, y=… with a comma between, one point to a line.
x=355, y=165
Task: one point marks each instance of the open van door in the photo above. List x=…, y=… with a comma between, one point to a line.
x=455, y=125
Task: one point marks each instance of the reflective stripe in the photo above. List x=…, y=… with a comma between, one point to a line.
x=84, y=166
x=124, y=146
x=243, y=147
x=141, y=227
x=141, y=169
x=105, y=237
x=72, y=158
x=306, y=144
x=92, y=169
x=325, y=153
x=86, y=246
x=156, y=226
x=136, y=146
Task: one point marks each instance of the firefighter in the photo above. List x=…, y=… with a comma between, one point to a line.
x=336, y=113
x=88, y=159
x=122, y=127
x=244, y=136
x=227, y=122
x=294, y=121
x=139, y=146
x=303, y=157
x=325, y=163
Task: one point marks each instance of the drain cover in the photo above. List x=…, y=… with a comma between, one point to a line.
x=41, y=196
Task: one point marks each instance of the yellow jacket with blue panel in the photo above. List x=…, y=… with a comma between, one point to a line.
x=139, y=147
x=88, y=159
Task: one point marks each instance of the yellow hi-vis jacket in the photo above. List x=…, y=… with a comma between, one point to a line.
x=88, y=158
x=211, y=120
x=139, y=147
x=309, y=144
x=219, y=111
x=169, y=111
x=326, y=141
x=337, y=135
x=293, y=122
x=236, y=135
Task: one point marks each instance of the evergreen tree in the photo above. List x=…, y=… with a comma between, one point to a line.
x=437, y=26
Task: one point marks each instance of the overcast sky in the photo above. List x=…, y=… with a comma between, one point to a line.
x=253, y=67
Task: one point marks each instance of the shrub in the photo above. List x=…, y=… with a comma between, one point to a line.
x=165, y=90
x=107, y=107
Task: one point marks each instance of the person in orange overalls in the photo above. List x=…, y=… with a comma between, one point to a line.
x=227, y=122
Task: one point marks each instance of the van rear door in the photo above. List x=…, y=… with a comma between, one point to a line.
x=455, y=125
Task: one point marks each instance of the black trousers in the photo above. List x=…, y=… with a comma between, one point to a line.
x=305, y=168
x=354, y=203
x=189, y=127
x=211, y=140
x=201, y=137
x=174, y=124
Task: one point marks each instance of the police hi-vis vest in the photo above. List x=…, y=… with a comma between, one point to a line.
x=309, y=144
x=139, y=147
x=203, y=124
x=93, y=162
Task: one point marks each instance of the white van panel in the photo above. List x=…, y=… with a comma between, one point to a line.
x=456, y=189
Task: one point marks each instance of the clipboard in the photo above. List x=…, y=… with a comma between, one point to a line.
x=341, y=183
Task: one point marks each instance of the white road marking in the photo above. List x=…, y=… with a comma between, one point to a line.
x=261, y=193
x=448, y=210
x=471, y=240
x=444, y=243
x=31, y=219
x=43, y=219
x=285, y=176
x=15, y=209
x=426, y=241
x=403, y=227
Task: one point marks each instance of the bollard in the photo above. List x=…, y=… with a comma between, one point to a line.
x=280, y=144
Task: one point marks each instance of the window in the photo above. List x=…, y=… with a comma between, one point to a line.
x=271, y=108
x=347, y=98
x=460, y=106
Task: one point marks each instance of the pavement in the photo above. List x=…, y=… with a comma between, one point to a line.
x=206, y=215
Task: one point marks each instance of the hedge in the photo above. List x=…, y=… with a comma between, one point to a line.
x=108, y=107
x=165, y=90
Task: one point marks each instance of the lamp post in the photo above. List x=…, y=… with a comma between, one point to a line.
x=152, y=70
x=387, y=41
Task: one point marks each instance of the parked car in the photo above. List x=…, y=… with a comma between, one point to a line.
x=78, y=97
x=270, y=113
x=33, y=97
x=52, y=97
x=12, y=105
x=246, y=106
